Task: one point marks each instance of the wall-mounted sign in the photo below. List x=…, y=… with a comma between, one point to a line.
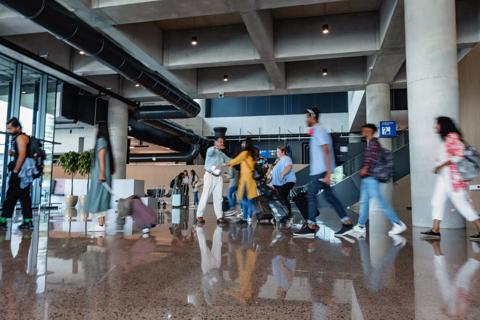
x=388, y=129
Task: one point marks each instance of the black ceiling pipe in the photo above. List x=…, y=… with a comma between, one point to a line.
x=150, y=134
x=157, y=113
x=220, y=132
x=170, y=157
x=71, y=29
x=186, y=135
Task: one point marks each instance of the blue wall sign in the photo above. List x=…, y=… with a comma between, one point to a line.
x=388, y=129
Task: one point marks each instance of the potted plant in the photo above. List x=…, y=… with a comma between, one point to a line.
x=84, y=166
x=69, y=163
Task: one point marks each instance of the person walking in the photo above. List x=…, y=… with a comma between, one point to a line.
x=322, y=163
x=186, y=183
x=98, y=198
x=17, y=191
x=283, y=177
x=195, y=182
x=233, y=188
x=450, y=184
x=213, y=181
x=370, y=187
x=247, y=188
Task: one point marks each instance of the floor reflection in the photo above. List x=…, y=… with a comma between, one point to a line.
x=66, y=269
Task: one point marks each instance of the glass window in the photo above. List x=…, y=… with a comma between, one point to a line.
x=53, y=97
x=7, y=70
x=29, y=99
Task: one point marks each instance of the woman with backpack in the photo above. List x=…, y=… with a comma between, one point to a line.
x=450, y=183
x=103, y=167
x=247, y=188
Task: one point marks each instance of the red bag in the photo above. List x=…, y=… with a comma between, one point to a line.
x=143, y=216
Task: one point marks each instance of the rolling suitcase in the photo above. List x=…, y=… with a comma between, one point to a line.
x=143, y=216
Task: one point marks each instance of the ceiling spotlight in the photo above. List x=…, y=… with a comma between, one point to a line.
x=324, y=72
x=24, y=92
x=82, y=52
x=137, y=85
x=194, y=41
x=325, y=29
x=225, y=78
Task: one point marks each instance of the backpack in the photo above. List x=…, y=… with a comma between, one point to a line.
x=37, y=153
x=469, y=165
x=383, y=168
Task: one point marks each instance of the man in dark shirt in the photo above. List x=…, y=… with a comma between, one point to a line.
x=370, y=187
x=19, y=151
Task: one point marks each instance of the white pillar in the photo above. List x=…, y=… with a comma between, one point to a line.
x=118, y=126
x=432, y=82
x=378, y=109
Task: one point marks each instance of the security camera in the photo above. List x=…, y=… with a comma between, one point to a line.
x=221, y=95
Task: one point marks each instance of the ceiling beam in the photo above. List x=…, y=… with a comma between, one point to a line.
x=260, y=28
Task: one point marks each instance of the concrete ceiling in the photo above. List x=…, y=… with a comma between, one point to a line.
x=264, y=46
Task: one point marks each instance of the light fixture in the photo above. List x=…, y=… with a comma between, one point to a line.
x=137, y=85
x=194, y=41
x=325, y=29
x=24, y=92
x=225, y=77
x=82, y=52
x=324, y=72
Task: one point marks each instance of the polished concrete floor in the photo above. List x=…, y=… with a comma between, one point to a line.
x=68, y=270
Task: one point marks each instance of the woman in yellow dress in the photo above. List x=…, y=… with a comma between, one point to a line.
x=247, y=188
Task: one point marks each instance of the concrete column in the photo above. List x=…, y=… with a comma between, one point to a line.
x=432, y=82
x=118, y=126
x=378, y=109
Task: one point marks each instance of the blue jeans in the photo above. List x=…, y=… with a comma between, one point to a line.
x=232, y=196
x=247, y=207
x=314, y=187
x=195, y=198
x=370, y=189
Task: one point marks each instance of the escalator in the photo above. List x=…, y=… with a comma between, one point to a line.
x=346, y=177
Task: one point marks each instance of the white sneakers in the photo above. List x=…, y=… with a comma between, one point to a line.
x=359, y=229
x=397, y=228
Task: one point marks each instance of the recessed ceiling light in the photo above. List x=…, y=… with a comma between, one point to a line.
x=154, y=159
x=325, y=29
x=137, y=85
x=24, y=92
x=81, y=52
x=194, y=41
x=324, y=72
x=225, y=77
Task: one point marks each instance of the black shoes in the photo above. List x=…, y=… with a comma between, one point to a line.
x=26, y=226
x=221, y=221
x=430, y=235
x=345, y=230
x=305, y=232
x=475, y=237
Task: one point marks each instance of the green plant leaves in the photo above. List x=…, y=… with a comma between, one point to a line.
x=85, y=163
x=69, y=162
